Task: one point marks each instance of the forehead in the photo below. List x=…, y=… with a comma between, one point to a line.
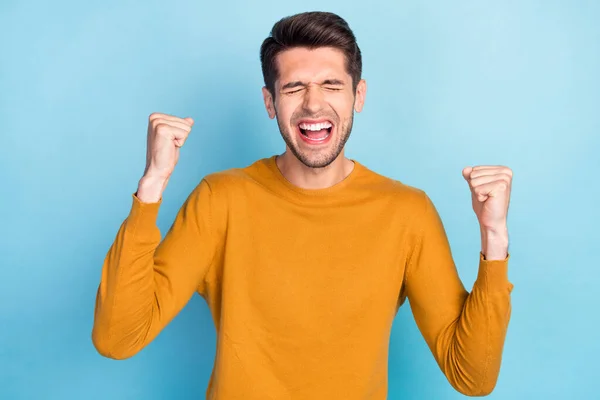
x=302, y=64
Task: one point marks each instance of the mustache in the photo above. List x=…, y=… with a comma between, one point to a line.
x=333, y=117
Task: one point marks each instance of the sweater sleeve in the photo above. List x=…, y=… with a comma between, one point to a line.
x=465, y=331
x=146, y=282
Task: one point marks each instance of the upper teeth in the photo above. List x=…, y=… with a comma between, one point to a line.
x=315, y=127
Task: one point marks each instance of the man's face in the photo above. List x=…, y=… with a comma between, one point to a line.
x=314, y=103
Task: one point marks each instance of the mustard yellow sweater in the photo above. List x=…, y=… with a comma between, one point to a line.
x=303, y=285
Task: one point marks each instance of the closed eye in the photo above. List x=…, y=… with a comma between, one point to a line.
x=294, y=91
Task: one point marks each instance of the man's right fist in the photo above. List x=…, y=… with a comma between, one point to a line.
x=166, y=134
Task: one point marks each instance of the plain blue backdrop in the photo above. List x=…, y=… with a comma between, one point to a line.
x=451, y=84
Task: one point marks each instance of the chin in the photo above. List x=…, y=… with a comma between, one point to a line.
x=315, y=158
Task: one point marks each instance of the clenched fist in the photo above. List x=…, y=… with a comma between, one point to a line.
x=490, y=194
x=166, y=134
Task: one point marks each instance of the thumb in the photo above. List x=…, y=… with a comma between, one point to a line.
x=190, y=120
x=466, y=172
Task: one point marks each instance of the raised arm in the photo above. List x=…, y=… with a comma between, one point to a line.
x=465, y=331
x=146, y=282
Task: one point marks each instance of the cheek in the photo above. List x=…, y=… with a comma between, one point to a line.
x=343, y=106
x=341, y=101
x=285, y=110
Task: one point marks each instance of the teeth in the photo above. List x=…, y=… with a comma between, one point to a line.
x=315, y=127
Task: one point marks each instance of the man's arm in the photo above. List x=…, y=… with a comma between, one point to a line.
x=464, y=331
x=146, y=282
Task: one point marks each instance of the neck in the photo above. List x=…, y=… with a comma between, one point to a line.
x=314, y=178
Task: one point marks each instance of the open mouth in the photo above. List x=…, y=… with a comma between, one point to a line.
x=315, y=132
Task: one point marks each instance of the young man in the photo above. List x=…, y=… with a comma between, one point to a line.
x=304, y=258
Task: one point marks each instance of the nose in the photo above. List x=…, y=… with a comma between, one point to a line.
x=313, y=99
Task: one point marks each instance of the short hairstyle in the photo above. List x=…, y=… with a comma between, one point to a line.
x=310, y=30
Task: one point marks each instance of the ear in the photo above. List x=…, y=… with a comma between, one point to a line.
x=361, y=92
x=269, y=105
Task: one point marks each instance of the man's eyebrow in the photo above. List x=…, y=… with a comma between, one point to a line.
x=291, y=85
x=332, y=82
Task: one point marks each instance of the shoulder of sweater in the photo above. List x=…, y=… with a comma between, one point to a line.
x=231, y=179
x=413, y=202
x=224, y=181
x=396, y=188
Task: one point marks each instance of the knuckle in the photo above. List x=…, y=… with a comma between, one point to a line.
x=155, y=122
x=161, y=127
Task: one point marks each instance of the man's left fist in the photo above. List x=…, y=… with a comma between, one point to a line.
x=490, y=194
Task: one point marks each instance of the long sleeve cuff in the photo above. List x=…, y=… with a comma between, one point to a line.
x=493, y=274
x=143, y=215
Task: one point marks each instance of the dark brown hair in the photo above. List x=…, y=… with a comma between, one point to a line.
x=311, y=30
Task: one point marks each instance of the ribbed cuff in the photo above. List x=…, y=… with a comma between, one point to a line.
x=493, y=274
x=144, y=215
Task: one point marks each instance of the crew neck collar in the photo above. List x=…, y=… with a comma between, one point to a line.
x=320, y=196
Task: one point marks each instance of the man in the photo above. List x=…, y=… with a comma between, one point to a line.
x=304, y=258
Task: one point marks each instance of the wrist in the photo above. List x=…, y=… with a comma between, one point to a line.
x=150, y=189
x=494, y=243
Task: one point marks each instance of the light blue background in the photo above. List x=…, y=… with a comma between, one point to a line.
x=451, y=84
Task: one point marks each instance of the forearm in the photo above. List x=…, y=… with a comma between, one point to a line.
x=146, y=282
x=124, y=304
x=472, y=346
